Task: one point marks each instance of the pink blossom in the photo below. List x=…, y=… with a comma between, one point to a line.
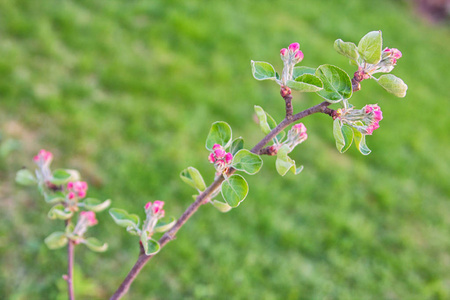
x=378, y=115
x=90, y=217
x=303, y=136
x=396, y=53
x=228, y=157
x=299, y=56
x=44, y=156
x=157, y=206
x=299, y=128
x=211, y=158
x=294, y=47
x=216, y=146
x=219, y=153
x=283, y=52
x=70, y=185
x=71, y=195
x=148, y=205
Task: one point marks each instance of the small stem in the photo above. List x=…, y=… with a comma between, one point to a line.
x=170, y=235
x=70, y=258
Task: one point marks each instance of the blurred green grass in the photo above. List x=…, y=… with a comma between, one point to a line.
x=126, y=92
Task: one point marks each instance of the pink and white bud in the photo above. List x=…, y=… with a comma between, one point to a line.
x=299, y=56
x=299, y=128
x=228, y=158
x=148, y=205
x=283, y=52
x=294, y=47
x=211, y=158
x=378, y=115
x=89, y=216
x=219, y=153
x=396, y=53
x=71, y=195
x=157, y=206
x=70, y=185
x=43, y=157
x=216, y=146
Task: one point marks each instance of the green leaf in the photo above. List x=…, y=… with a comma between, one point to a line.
x=343, y=135
x=306, y=83
x=221, y=206
x=337, y=85
x=95, y=245
x=360, y=142
x=165, y=224
x=369, y=47
x=261, y=114
x=393, y=85
x=298, y=71
x=220, y=133
x=60, y=177
x=96, y=205
x=234, y=190
x=54, y=198
x=25, y=177
x=58, y=212
x=263, y=71
x=247, y=162
x=193, y=177
x=347, y=49
x=123, y=218
x=56, y=240
x=236, y=145
x=284, y=163
x=267, y=123
x=151, y=246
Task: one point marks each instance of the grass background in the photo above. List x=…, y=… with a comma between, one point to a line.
x=125, y=91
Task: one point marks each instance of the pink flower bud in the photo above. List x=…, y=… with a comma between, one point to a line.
x=70, y=185
x=396, y=53
x=71, y=195
x=148, y=205
x=303, y=136
x=90, y=217
x=283, y=52
x=211, y=158
x=228, y=158
x=216, y=146
x=219, y=153
x=299, y=56
x=44, y=156
x=387, y=49
x=162, y=213
x=81, y=194
x=378, y=115
x=299, y=128
x=294, y=47
x=157, y=206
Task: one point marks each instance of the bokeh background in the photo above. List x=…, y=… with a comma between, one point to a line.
x=125, y=92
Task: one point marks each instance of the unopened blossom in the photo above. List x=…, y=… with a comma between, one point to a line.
x=296, y=135
x=290, y=57
x=77, y=189
x=43, y=157
x=155, y=208
x=220, y=158
x=89, y=216
x=365, y=120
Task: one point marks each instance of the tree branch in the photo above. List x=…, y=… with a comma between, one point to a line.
x=170, y=235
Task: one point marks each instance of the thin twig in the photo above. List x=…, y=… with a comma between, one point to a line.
x=169, y=235
x=69, y=279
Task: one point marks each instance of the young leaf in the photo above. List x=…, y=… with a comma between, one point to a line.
x=58, y=212
x=193, y=177
x=234, y=190
x=298, y=71
x=369, y=47
x=337, y=85
x=306, y=83
x=95, y=245
x=165, y=224
x=360, y=142
x=220, y=133
x=263, y=71
x=123, y=218
x=60, y=177
x=261, y=114
x=56, y=240
x=221, y=206
x=347, y=49
x=96, y=205
x=25, y=177
x=54, y=198
x=393, y=85
x=247, y=161
x=343, y=135
x=236, y=145
x=151, y=246
x=284, y=163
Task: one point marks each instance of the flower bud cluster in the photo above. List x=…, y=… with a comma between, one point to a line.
x=43, y=160
x=77, y=189
x=220, y=158
x=290, y=57
x=389, y=57
x=155, y=209
x=365, y=120
x=296, y=135
x=86, y=219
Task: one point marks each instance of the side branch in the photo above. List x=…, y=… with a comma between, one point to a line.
x=206, y=194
